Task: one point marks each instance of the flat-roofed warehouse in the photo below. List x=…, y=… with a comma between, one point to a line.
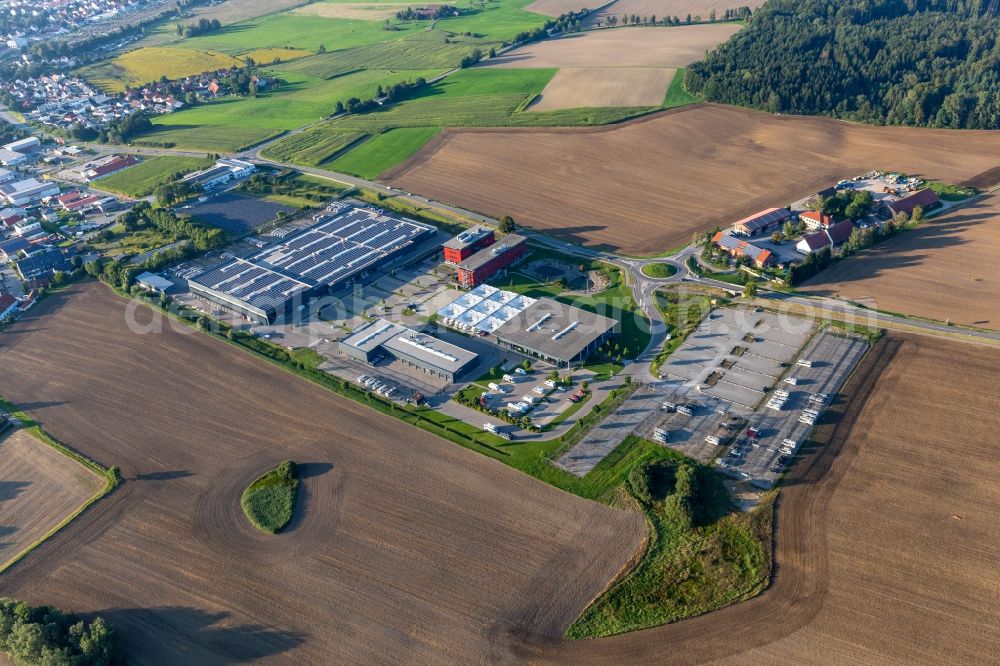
x=343, y=246
x=556, y=332
x=417, y=350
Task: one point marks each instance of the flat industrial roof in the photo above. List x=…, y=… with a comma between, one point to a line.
x=400, y=340
x=487, y=253
x=555, y=329
x=468, y=237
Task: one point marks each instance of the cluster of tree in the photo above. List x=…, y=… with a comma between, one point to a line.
x=814, y=263
x=471, y=58
x=422, y=13
x=203, y=26
x=47, y=635
x=391, y=95
x=144, y=216
x=173, y=192
x=122, y=130
x=910, y=62
x=849, y=204
x=676, y=484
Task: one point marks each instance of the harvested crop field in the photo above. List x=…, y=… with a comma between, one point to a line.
x=945, y=269
x=39, y=487
x=884, y=533
x=635, y=47
x=405, y=548
x=573, y=88
x=647, y=185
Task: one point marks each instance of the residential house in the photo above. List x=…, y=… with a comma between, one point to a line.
x=736, y=247
x=815, y=219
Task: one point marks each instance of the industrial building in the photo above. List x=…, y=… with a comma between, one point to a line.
x=344, y=245
x=421, y=351
x=222, y=172
x=27, y=191
x=489, y=261
x=467, y=243
x=764, y=222
x=556, y=332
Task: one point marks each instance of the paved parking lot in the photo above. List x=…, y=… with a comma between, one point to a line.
x=737, y=354
x=833, y=357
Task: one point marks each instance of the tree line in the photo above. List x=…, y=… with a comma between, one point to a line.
x=932, y=63
x=736, y=14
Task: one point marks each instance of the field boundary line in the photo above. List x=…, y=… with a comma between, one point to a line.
x=109, y=474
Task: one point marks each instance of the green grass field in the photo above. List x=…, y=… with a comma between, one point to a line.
x=383, y=152
x=269, y=501
x=701, y=555
x=141, y=179
x=298, y=101
x=295, y=31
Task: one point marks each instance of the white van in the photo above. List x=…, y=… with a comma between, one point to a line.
x=493, y=386
x=804, y=362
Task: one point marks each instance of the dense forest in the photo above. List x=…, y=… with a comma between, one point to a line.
x=931, y=63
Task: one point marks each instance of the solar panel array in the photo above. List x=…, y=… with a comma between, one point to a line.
x=344, y=242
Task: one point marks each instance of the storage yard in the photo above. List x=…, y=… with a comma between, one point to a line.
x=677, y=172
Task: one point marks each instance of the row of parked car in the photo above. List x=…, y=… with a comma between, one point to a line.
x=377, y=385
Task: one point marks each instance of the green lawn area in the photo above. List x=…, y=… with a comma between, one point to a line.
x=141, y=179
x=701, y=555
x=659, y=270
x=382, y=152
x=676, y=95
x=950, y=192
x=269, y=501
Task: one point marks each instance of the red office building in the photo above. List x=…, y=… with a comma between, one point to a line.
x=491, y=260
x=467, y=243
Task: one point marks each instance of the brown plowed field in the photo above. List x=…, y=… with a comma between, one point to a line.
x=645, y=186
x=406, y=549
x=573, y=88
x=39, y=487
x=945, y=269
x=635, y=47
